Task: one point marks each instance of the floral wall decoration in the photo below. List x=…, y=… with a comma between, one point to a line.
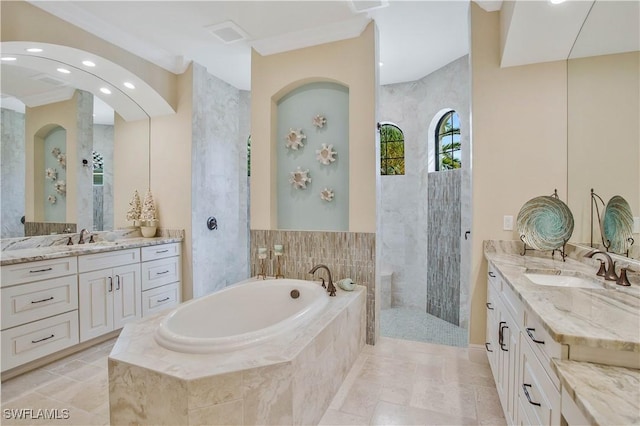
x=299, y=178
x=295, y=139
x=55, y=152
x=51, y=174
x=327, y=194
x=326, y=154
x=61, y=187
x=52, y=199
x=319, y=121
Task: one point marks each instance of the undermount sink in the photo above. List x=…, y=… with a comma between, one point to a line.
x=562, y=279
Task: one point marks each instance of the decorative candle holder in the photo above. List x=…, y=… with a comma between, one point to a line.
x=262, y=255
x=278, y=250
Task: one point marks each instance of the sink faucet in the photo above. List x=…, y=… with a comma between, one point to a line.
x=610, y=271
x=330, y=288
x=81, y=240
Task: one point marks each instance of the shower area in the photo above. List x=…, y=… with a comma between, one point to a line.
x=426, y=209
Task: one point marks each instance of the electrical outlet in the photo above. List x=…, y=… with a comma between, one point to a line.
x=507, y=223
x=636, y=225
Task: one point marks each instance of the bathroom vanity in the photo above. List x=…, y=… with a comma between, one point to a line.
x=59, y=298
x=563, y=345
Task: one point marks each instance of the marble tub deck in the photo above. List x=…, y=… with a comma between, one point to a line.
x=289, y=380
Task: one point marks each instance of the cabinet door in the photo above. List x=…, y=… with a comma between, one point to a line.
x=95, y=290
x=491, y=343
x=127, y=304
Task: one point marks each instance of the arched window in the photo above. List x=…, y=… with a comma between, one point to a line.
x=391, y=149
x=448, y=149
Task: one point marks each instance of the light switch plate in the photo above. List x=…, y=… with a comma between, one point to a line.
x=507, y=223
x=636, y=225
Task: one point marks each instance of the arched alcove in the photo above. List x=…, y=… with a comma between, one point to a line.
x=50, y=173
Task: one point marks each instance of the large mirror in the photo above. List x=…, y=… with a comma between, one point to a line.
x=35, y=96
x=603, y=95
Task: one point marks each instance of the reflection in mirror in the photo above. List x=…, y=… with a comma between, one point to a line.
x=603, y=113
x=32, y=104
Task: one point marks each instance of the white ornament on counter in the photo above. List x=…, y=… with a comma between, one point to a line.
x=294, y=139
x=61, y=187
x=327, y=194
x=319, y=121
x=52, y=199
x=299, y=178
x=326, y=154
x=51, y=174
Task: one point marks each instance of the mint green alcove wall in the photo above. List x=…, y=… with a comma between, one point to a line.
x=56, y=212
x=303, y=209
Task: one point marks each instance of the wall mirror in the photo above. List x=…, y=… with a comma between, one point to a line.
x=603, y=111
x=35, y=85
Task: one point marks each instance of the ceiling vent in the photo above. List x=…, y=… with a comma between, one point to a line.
x=365, y=5
x=46, y=78
x=228, y=32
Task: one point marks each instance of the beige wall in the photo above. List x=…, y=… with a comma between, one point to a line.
x=24, y=22
x=39, y=121
x=170, y=163
x=349, y=62
x=518, y=144
x=604, y=134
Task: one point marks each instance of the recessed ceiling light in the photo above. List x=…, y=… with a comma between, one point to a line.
x=34, y=50
x=105, y=90
x=129, y=85
x=8, y=58
x=556, y=1
x=64, y=71
x=88, y=63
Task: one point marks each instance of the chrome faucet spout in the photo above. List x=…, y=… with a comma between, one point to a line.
x=610, y=271
x=330, y=287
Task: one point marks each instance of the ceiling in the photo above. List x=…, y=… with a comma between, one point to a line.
x=415, y=37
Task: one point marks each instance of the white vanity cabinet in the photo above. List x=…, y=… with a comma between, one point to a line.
x=39, y=309
x=161, y=277
x=109, y=291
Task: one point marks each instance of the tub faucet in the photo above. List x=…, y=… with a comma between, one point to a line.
x=610, y=270
x=81, y=240
x=330, y=287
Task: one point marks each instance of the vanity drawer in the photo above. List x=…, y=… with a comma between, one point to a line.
x=542, y=345
x=31, y=302
x=160, y=251
x=110, y=259
x=37, y=339
x=37, y=271
x=160, y=298
x=540, y=398
x=160, y=272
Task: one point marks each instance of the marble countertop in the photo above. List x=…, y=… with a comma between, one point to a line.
x=10, y=257
x=597, y=388
x=607, y=318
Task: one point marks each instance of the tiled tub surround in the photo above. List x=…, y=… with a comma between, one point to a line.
x=598, y=327
x=347, y=254
x=289, y=380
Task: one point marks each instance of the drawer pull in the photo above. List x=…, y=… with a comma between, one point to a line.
x=526, y=393
x=163, y=300
x=161, y=251
x=110, y=284
x=162, y=273
x=42, y=340
x=492, y=275
x=117, y=282
x=529, y=332
x=489, y=306
x=41, y=270
x=486, y=346
x=43, y=300
x=502, y=332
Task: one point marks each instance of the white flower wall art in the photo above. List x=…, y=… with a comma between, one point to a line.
x=326, y=154
x=55, y=152
x=299, y=178
x=61, y=187
x=62, y=159
x=52, y=199
x=295, y=139
x=51, y=174
x=327, y=194
x=319, y=121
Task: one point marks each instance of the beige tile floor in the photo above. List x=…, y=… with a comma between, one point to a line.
x=396, y=382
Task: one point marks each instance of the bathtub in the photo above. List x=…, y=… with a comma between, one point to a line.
x=243, y=314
